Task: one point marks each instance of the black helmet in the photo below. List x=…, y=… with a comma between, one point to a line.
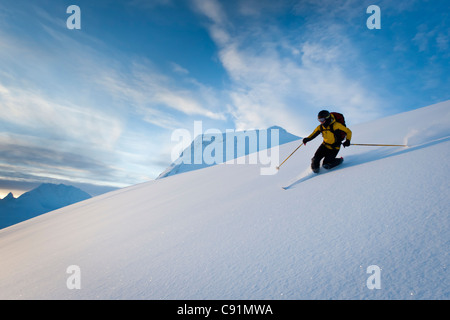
x=323, y=116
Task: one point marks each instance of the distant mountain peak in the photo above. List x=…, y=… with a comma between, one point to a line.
x=44, y=198
x=9, y=196
x=277, y=128
x=240, y=147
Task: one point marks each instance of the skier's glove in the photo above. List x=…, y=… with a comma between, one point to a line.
x=346, y=143
x=306, y=140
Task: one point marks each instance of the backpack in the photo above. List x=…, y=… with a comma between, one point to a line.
x=339, y=117
x=338, y=134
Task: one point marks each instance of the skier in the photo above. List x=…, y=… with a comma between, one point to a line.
x=333, y=133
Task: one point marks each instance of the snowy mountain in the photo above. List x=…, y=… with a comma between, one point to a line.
x=377, y=227
x=242, y=143
x=45, y=198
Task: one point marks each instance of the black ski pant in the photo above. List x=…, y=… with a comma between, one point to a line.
x=329, y=156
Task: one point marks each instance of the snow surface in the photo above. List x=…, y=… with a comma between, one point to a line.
x=227, y=232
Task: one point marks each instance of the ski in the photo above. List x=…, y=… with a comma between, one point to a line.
x=334, y=165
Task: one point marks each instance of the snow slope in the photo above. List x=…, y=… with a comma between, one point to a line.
x=227, y=232
x=46, y=197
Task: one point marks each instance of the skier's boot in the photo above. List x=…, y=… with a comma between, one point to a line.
x=315, y=167
x=333, y=164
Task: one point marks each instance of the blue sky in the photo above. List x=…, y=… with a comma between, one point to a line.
x=97, y=106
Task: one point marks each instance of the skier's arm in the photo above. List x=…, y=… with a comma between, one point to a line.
x=315, y=133
x=338, y=126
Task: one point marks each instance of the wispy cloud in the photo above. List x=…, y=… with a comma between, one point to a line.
x=42, y=116
x=73, y=110
x=150, y=91
x=68, y=114
x=179, y=69
x=29, y=159
x=282, y=75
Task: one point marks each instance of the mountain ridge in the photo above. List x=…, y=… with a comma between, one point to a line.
x=42, y=199
x=244, y=143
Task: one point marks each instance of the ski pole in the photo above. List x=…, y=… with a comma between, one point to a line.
x=278, y=168
x=378, y=145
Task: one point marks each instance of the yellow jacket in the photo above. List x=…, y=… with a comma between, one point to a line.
x=328, y=133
